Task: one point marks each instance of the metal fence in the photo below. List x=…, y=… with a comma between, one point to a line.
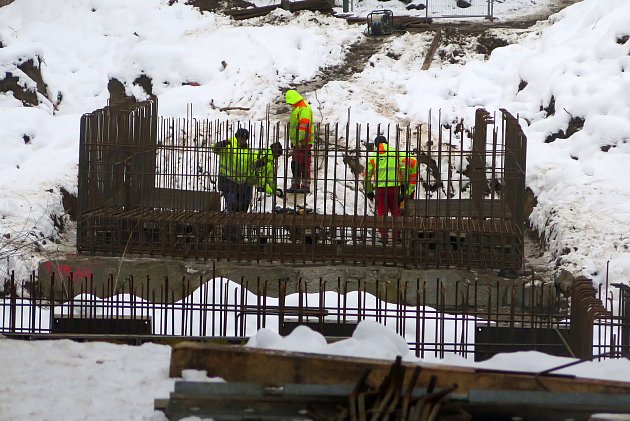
x=148, y=185
x=610, y=316
x=459, y=9
x=436, y=9
x=436, y=318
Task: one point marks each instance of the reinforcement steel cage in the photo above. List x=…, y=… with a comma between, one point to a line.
x=148, y=186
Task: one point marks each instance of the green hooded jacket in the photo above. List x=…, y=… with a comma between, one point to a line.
x=301, y=125
x=265, y=175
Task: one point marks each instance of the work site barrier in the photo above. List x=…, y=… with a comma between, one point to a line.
x=149, y=186
x=468, y=318
x=459, y=8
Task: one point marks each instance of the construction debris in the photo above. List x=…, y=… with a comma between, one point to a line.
x=324, y=6
x=432, y=49
x=308, y=401
x=400, y=23
x=276, y=385
x=242, y=364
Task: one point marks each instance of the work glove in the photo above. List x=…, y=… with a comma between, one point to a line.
x=279, y=193
x=221, y=144
x=370, y=195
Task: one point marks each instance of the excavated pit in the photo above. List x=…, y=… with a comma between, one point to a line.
x=536, y=265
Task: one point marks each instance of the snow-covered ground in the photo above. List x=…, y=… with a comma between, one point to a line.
x=74, y=381
x=53, y=380
x=580, y=57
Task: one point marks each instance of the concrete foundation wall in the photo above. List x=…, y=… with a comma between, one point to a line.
x=431, y=287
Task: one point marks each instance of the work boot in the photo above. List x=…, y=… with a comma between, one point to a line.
x=294, y=187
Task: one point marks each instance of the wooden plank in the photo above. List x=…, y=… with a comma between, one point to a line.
x=160, y=404
x=242, y=364
x=432, y=49
x=101, y=324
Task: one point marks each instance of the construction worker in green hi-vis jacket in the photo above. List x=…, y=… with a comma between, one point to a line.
x=382, y=182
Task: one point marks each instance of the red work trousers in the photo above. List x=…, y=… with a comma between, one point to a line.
x=301, y=167
x=387, y=201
